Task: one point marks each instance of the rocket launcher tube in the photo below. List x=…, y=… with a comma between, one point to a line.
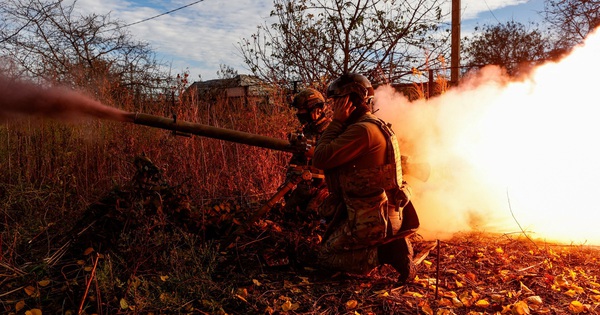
x=213, y=132
x=418, y=170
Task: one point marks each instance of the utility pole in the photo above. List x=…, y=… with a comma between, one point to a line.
x=455, y=49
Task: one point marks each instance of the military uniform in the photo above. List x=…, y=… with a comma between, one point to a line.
x=364, y=176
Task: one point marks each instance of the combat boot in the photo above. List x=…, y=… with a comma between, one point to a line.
x=399, y=254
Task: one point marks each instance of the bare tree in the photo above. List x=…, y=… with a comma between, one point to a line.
x=510, y=45
x=572, y=20
x=49, y=41
x=312, y=41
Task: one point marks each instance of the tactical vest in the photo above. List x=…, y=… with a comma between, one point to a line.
x=377, y=218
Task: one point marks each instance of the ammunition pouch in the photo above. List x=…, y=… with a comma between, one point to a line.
x=367, y=217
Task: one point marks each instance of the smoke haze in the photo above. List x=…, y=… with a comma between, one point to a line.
x=19, y=98
x=507, y=155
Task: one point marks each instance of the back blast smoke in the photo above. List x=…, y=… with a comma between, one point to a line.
x=22, y=98
x=506, y=155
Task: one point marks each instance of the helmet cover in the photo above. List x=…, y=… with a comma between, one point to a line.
x=308, y=99
x=351, y=83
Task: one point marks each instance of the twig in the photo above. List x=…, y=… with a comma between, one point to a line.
x=15, y=290
x=254, y=241
x=437, y=276
x=87, y=287
x=516, y=221
x=526, y=268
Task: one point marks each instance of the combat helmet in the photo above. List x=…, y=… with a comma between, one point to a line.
x=351, y=83
x=308, y=99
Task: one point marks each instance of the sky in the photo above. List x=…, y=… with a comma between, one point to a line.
x=205, y=34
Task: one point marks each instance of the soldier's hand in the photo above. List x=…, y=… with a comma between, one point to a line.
x=342, y=108
x=310, y=152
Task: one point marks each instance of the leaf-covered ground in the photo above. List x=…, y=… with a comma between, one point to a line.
x=145, y=249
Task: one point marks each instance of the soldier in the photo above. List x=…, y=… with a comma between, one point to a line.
x=361, y=159
x=314, y=116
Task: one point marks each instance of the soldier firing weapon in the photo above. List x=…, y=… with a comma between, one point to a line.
x=298, y=145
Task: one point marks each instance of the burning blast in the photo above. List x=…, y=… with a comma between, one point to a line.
x=508, y=156
x=19, y=98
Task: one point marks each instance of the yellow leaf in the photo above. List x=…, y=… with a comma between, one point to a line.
x=19, y=305
x=29, y=290
x=164, y=278
x=427, y=309
x=81, y=262
x=413, y=294
x=457, y=303
x=351, y=304
x=571, y=293
x=88, y=251
x=88, y=268
x=497, y=297
x=561, y=281
x=256, y=282
x=44, y=282
x=525, y=288
x=521, y=308
x=124, y=304
x=34, y=311
x=482, y=303
x=427, y=263
x=499, y=250
x=458, y=284
x=576, y=307
x=289, y=306
x=536, y=299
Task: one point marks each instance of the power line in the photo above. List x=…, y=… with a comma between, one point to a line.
x=156, y=16
x=486, y=4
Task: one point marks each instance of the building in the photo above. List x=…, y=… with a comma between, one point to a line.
x=237, y=91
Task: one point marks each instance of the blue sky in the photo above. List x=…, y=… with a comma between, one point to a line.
x=205, y=34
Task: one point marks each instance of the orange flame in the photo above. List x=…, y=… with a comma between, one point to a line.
x=509, y=156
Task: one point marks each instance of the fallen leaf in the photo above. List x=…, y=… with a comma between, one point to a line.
x=43, y=283
x=88, y=251
x=289, y=306
x=536, y=299
x=576, y=307
x=124, y=304
x=29, y=290
x=19, y=306
x=351, y=304
x=482, y=303
x=521, y=308
x=34, y=311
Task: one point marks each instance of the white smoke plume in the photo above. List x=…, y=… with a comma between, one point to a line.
x=508, y=156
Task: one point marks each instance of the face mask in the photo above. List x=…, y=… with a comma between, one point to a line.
x=304, y=118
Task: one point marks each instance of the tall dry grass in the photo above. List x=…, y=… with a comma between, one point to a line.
x=52, y=170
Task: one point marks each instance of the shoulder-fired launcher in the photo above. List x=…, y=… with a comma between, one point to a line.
x=297, y=145
x=214, y=132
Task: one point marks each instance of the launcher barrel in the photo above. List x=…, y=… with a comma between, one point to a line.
x=212, y=132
